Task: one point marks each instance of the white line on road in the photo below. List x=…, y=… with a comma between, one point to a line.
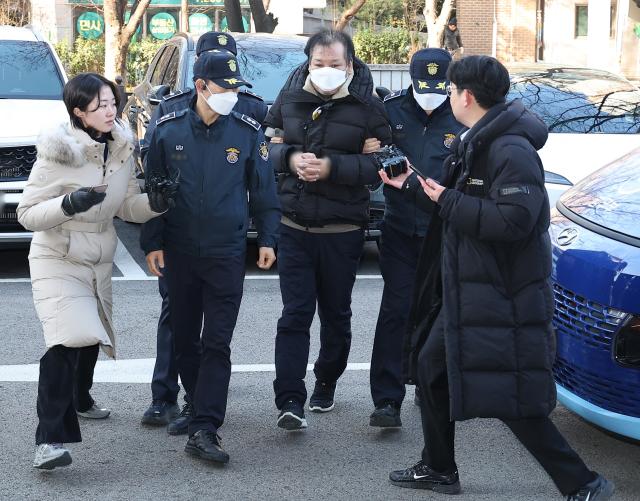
x=132, y=371
x=146, y=278
x=126, y=264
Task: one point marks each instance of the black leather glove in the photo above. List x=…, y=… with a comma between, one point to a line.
x=81, y=201
x=162, y=195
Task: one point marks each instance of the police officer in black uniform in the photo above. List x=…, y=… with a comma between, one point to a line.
x=424, y=127
x=249, y=104
x=164, y=384
x=219, y=157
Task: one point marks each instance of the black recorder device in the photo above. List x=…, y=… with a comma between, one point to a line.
x=391, y=160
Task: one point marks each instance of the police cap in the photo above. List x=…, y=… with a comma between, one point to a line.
x=221, y=68
x=215, y=40
x=428, y=71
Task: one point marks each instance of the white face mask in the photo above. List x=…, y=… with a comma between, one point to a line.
x=429, y=101
x=222, y=103
x=327, y=79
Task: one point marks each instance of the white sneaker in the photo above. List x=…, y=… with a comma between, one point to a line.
x=94, y=412
x=50, y=456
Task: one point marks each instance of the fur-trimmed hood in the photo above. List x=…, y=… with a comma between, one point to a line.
x=72, y=147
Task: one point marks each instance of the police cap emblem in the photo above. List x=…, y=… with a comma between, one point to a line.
x=232, y=155
x=222, y=40
x=432, y=68
x=232, y=65
x=264, y=151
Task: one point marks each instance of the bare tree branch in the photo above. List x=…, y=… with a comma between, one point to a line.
x=349, y=14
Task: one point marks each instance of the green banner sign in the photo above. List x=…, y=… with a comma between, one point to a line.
x=163, y=25
x=224, y=24
x=199, y=24
x=90, y=25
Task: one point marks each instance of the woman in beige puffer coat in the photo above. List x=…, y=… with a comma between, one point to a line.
x=73, y=246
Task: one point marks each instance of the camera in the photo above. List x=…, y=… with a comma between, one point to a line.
x=391, y=160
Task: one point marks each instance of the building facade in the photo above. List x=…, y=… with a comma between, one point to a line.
x=69, y=19
x=597, y=33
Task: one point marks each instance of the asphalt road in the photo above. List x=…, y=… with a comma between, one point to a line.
x=338, y=457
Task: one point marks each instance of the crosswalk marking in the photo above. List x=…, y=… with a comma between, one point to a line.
x=138, y=370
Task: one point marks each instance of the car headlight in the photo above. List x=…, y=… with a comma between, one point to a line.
x=552, y=177
x=626, y=349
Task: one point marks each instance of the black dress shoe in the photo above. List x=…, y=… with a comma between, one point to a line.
x=180, y=425
x=160, y=413
x=205, y=444
x=420, y=476
x=386, y=415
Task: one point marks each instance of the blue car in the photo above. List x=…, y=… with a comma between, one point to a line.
x=595, y=234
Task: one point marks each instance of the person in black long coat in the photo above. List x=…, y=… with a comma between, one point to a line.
x=481, y=341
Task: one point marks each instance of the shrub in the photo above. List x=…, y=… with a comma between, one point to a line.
x=383, y=47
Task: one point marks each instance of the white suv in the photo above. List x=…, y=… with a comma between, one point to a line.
x=31, y=83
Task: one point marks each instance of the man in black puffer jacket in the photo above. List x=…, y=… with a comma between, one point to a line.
x=319, y=124
x=481, y=342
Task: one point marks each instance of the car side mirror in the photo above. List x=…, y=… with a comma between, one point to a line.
x=382, y=92
x=157, y=93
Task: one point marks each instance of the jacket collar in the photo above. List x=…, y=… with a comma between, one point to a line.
x=361, y=86
x=72, y=147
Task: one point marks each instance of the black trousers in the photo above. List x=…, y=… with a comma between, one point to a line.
x=320, y=268
x=164, y=384
x=398, y=261
x=540, y=436
x=205, y=295
x=66, y=376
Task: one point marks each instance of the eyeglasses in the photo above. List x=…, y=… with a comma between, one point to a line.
x=450, y=89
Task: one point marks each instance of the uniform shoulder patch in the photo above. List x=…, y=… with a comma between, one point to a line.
x=248, y=120
x=170, y=116
x=173, y=95
x=252, y=94
x=393, y=95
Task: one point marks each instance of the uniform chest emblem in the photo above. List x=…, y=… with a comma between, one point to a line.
x=179, y=147
x=264, y=151
x=232, y=155
x=399, y=126
x=448, y=140
x=475, y=182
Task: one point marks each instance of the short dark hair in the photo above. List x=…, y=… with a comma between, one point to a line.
x=484, y=76
x=80, y=91
x=326, y=38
